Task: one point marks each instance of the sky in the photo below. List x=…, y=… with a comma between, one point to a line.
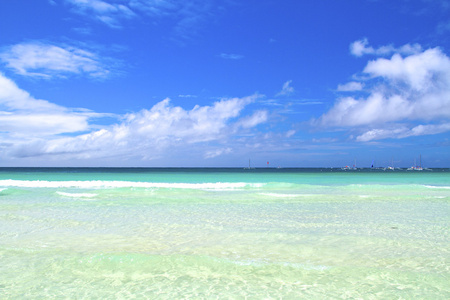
x=221, y=83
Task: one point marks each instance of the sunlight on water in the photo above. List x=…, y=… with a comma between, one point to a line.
x=260, y=238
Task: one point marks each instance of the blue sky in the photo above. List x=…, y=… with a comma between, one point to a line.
x=218, y=82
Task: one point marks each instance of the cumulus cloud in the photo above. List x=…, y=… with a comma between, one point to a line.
x=407, y=96
x=150, y=133
x=428, y=70
x=42, y=60
x=37, y=129
x=169, y=123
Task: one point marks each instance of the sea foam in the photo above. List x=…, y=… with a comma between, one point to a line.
x=125, y=184
x=437, y=187
x=77, y=195
x=276, y=195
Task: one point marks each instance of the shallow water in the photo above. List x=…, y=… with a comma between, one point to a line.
x=224, y=233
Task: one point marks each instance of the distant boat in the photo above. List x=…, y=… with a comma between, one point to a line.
x=391, y=167
x=416, y=167
x=349, y=168
x=249, y=165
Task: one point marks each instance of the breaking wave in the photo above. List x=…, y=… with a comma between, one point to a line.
x=126, y=184
x=278, y=195
x=437, y=187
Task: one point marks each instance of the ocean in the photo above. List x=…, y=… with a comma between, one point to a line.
x=137, y=233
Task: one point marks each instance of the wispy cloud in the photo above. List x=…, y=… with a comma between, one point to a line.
x=231, y=56
x=83, y=30
x=443, y=27
x=159, y=8
x=402, y=132
x=257, y=118
x=287, y=89
x=350, y=86
x=217, y=152
x=23, y=116
x=186, y=16
x=187, y=96
x=38, y=59
x=407, y=96
x=361, y=47
x=103, y=11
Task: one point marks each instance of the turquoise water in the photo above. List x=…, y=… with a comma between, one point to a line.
x=224, y=234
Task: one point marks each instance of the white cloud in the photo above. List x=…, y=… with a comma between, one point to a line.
x=403, y=132
x=257, y=118
x=381, y=133
x=150, y=133
x=376, y=109
x=350, y=87
x=24, y=116
x=408, y=96
x=155, y=8
x=169, y=123
x=231, y=56
x=12, y=97
x=287, y=89
x=108, y=13
x=360, y=48
x=217, y=152
x=42, y=124
x=187, y=15
x=290, y=133
x=427, y=70
x=46, y=61
x=38, y=131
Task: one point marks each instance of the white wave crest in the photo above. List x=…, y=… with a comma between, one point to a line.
x=275, y=195
x=2, y=189
x=126, y=184
x=77, y=195
x=437, y=187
